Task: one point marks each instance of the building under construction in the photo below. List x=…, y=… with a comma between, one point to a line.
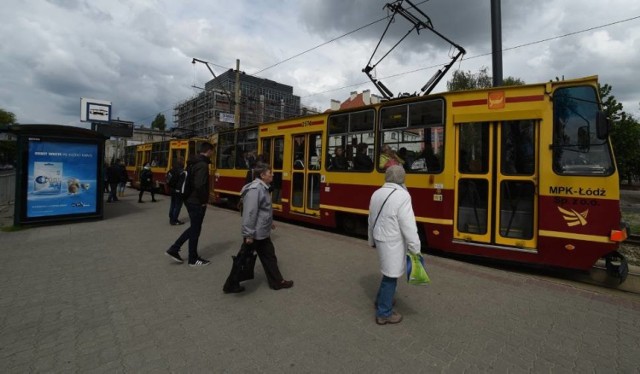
x=261, y=100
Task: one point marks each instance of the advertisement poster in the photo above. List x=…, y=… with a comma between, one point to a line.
x=61, y=178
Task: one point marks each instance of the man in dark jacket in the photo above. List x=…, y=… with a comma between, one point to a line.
x=146, y=183
x=113, y=178
x=196, y=204
x=175, y=182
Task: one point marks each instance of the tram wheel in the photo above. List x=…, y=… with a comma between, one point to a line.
x=617, y=266
x=352, y=224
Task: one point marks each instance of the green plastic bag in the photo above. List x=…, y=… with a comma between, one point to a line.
x=416, y=271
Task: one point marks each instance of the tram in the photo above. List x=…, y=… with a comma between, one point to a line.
x=161, y=156
x=521, y=173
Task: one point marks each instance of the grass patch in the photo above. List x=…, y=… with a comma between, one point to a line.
x=11, y=228
x=633, y=220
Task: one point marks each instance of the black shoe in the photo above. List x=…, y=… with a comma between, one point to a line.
x=154, y=201
x=140, y=201
x=236, y=289
x=283, y=284
x=178, y=222
x=200, y=262
x=174, y=255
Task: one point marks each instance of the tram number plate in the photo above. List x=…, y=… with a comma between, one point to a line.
x=437, y=197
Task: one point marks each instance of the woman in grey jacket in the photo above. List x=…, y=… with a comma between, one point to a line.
x=257, y=223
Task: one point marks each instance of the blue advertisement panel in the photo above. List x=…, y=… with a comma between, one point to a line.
x=61, y=178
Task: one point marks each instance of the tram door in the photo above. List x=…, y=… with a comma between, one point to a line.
x=305, y=178
x=273, y=150
x=143, y=155
x=496, y=179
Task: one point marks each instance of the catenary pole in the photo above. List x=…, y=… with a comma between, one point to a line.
x=496, y=42
x=236, y=116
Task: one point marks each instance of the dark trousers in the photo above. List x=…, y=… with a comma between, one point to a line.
x=150, y=189
x=192, y=233
x=175, y=207
x=267, y=255
x=113, y=191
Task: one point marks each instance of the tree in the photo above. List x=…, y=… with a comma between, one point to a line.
x=468, y=81
x=611, y=107
x=8, y=149
x=625, y=135
x=7, y=118
x=159, y=123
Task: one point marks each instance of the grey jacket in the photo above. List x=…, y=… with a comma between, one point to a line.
x=257, y=214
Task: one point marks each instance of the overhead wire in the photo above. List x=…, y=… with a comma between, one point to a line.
x=419, y=69
x=484, y=54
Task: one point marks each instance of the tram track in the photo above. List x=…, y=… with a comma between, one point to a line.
x=633, y=240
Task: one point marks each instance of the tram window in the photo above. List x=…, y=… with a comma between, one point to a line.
x=350, y=141
x=298, y=152
x=313, y=191
x=577, y=150
x=393, y=117
x=419, y=148
x=428, y=113
x=473, y=200
x=266, y=151
x=178, y=153
x=473, y=155
x=130, y=155
x=226, y=148
x=159, y=154
x=361, y=121
x=278, y=153
x=314, y=151
x=246, y=148
x=518, y=147
x=339, y=124
x=516, y=209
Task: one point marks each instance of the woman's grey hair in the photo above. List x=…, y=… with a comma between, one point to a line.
x=394, y=174
x=261, y=167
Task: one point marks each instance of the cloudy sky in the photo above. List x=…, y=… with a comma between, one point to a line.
x=137, y=54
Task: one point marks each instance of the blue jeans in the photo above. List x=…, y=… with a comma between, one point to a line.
x=192, y=234
x=384, y=300
x=176, y=205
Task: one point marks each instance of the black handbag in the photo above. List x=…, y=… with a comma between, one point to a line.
x=245, y=262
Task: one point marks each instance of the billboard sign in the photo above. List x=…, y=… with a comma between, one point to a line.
x=227, y=117
x=61, y=178
x=92, y=110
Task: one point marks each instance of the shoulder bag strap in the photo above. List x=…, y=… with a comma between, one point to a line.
x=380, y=211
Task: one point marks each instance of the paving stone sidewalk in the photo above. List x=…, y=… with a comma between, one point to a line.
x=102, y=297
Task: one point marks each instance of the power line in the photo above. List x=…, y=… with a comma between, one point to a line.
x=415, y=70
x=485, y=54
x=327, y=42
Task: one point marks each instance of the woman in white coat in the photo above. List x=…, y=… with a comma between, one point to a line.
x=392, y=231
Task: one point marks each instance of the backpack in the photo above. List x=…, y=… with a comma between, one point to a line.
x=172, y=178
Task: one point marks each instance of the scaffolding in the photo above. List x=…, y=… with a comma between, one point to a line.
x=212, y=110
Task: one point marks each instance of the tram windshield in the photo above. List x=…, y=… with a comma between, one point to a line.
x=577, y=149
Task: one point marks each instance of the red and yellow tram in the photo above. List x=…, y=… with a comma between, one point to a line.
x=161, y=156
x=522, y=173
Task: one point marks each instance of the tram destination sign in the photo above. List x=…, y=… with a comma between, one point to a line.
x=116, y=128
